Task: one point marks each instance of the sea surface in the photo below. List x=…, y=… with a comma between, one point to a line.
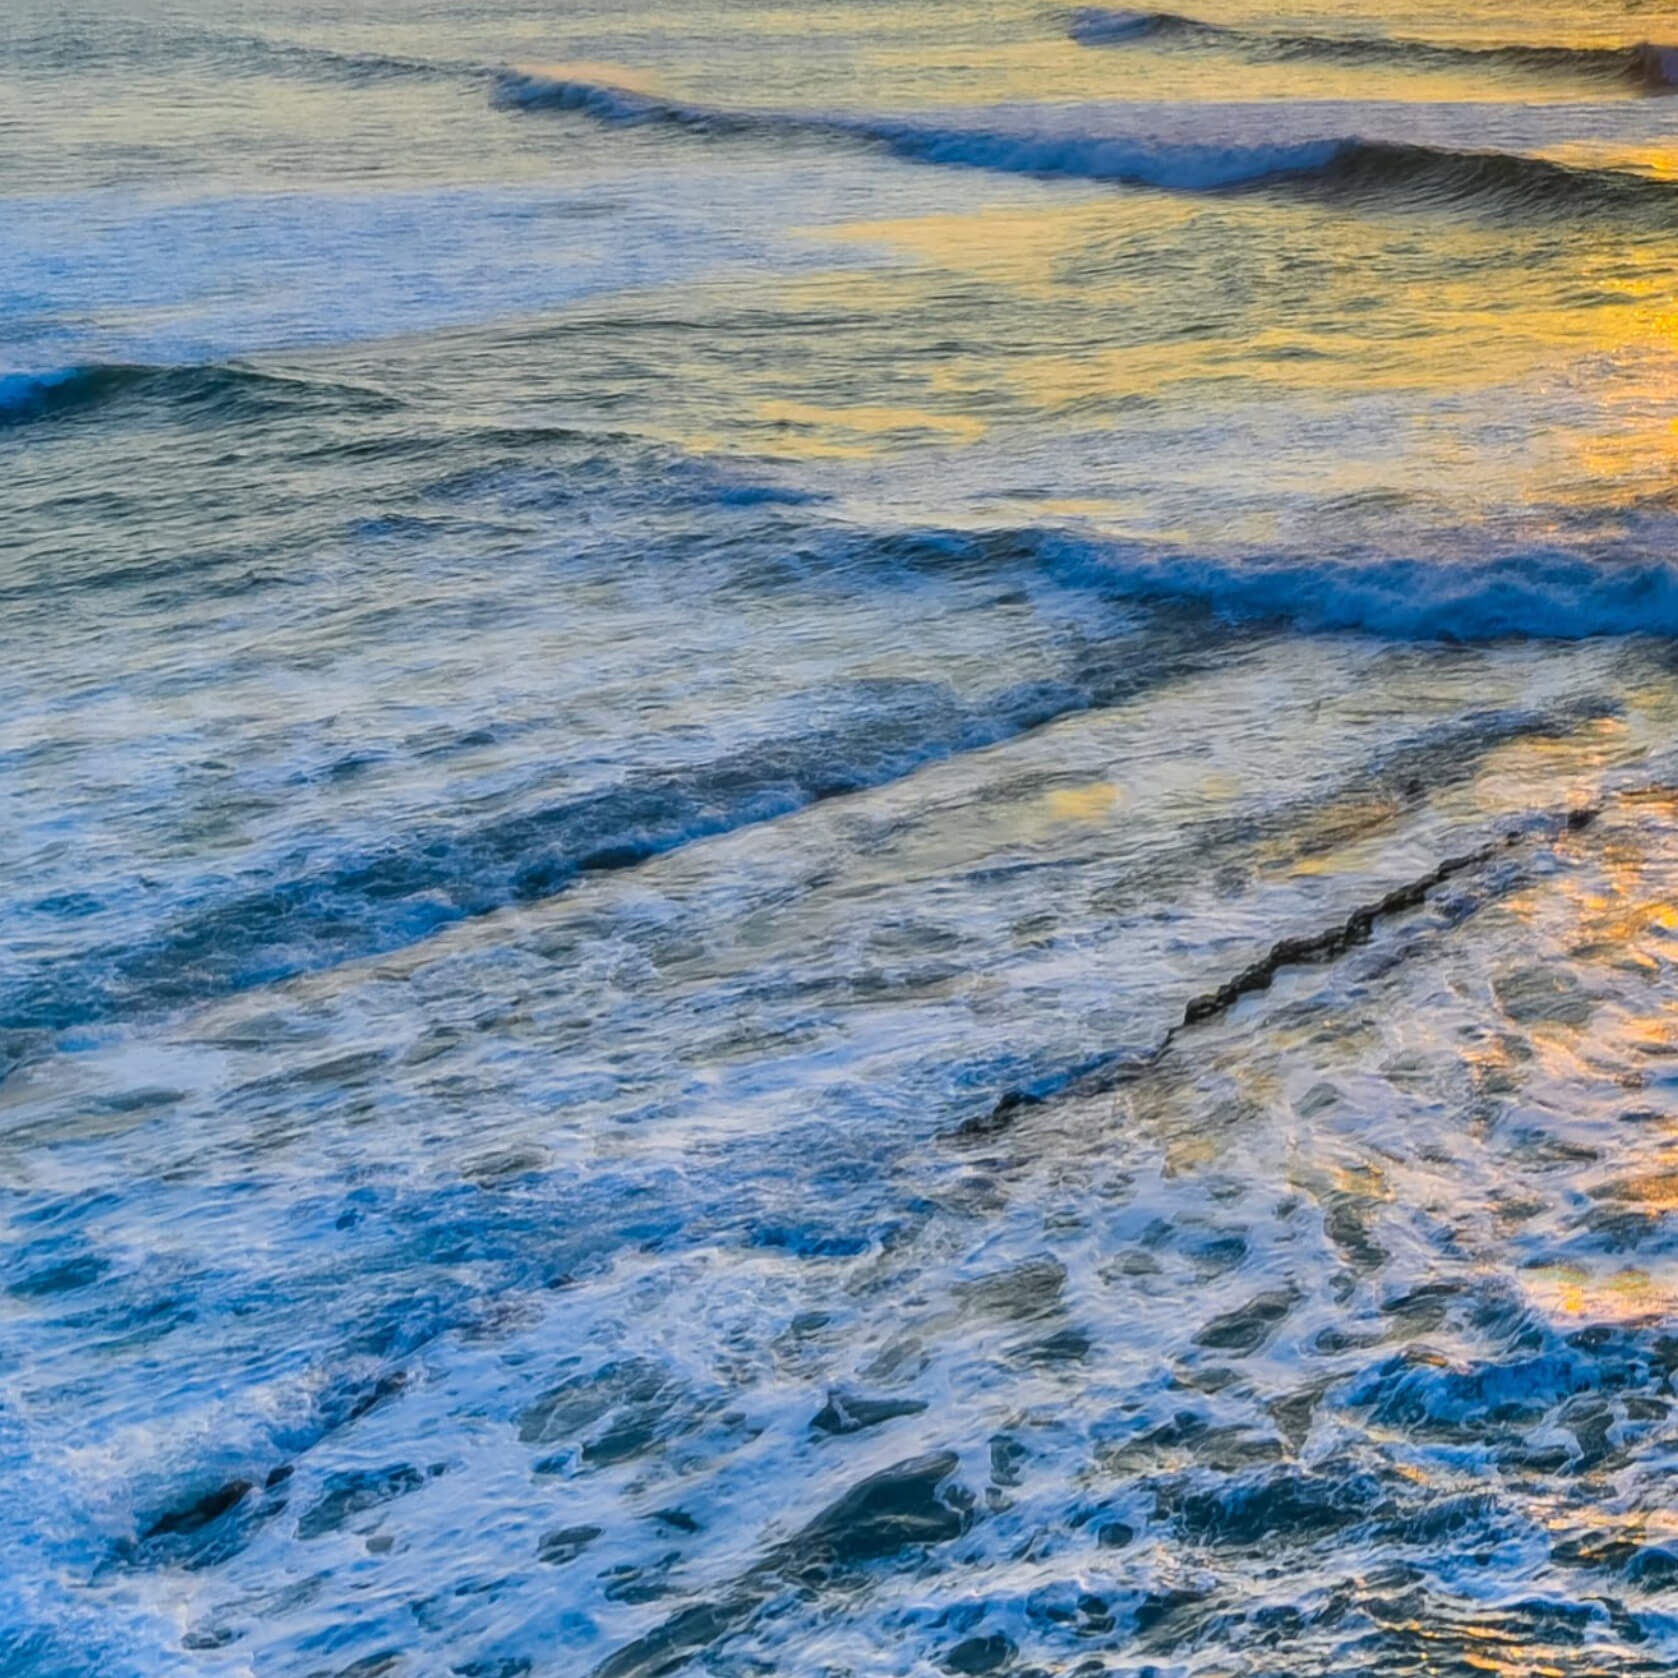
x=838, y=840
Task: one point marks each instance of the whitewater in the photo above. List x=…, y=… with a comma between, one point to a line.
x=837, y=841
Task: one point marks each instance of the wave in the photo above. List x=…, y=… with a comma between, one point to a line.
x=527, y=90
x=1336, y=167
x=114, y=44
x=223, y=390
x=1644, y=65
x=33, y=396
x=310, y=911
x=1548, y=597
x=1097, y=26
x=257, y=54
x=309, y=914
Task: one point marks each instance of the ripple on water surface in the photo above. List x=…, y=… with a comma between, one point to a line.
x=855, y=855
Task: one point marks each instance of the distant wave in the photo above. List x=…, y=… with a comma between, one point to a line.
x=1097, y=26
x=525, y=90
x=256, y=53
x=1643, y=65
x=1350, y=167
x=117, y=44
x=1343, y=166
x=222, y=389
x=1542, y=596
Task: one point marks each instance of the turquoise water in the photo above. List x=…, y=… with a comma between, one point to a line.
x=837, y=842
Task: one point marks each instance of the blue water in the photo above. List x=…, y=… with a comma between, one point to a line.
x=837, y=841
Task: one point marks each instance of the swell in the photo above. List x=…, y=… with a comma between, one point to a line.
x=1643, y=65
x=1335, y=167
x=224, y=391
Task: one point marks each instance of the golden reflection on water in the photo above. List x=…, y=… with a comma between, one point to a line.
x=1057, y=69
x=1087, y=804
x=1334, y=353
x=601, y=72
x=977, y=52
x=1434, y=317
x=1625, y=1296
x=1560, y=771
x=1659, y=161
x=1026, y=246
x=808, y=428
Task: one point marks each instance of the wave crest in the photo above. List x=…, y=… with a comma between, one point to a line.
x=376, y=894
x=1098, y=26
x=626, y=107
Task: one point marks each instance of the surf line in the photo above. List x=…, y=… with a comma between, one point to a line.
x=1105, y=1072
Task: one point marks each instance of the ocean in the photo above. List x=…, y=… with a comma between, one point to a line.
x=838, y=840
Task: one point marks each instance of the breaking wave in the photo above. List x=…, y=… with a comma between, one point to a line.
x=1337, y=166
x=1558, y=597
x=315, y=913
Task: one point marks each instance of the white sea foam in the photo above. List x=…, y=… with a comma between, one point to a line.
x=648, y=1211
